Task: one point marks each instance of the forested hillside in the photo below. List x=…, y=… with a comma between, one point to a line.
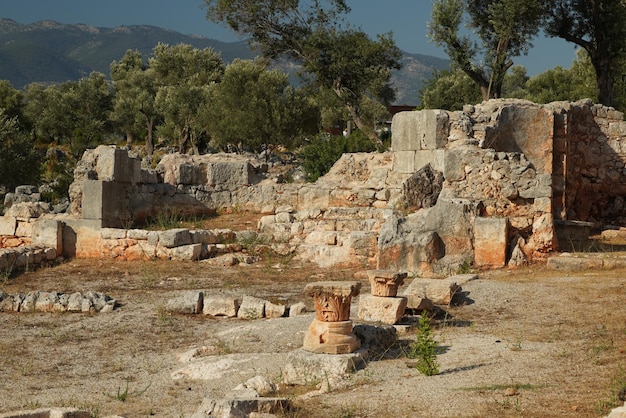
x=51, y=52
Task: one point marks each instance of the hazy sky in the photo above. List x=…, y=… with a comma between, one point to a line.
x=407, y=20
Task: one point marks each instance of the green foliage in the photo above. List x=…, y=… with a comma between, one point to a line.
x=336, y=57
x=19, y=161
x=424, y=348
x=319, y=156
x=450, y=90
x=598, y=27
x=502, y=29
x=255, y=107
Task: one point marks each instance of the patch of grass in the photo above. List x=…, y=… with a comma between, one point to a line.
x=617, y=386
x=124, y=394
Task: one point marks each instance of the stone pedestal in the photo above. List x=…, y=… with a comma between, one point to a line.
x=331, y=338
x=385, y=282
x=331, y=330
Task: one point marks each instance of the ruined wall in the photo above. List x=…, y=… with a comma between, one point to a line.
x=511, y=169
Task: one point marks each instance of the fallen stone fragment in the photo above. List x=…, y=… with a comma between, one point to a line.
x=48, y=413
x=297, y=309
x=189, y=302
x=304, y=368
x=216, y=305
x=274, y=310
x=439, y=291
x=235, y=408
x=251, y=308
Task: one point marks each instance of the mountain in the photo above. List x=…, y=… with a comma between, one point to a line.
x=51, y=52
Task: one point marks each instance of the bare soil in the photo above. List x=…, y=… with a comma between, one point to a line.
x=522, y=342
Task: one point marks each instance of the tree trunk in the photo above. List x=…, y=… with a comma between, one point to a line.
x=149, y=137
x=605, y=79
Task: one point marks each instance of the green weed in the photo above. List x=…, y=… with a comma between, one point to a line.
x=424, y=348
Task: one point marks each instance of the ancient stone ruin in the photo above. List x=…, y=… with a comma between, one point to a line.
x=502, y=182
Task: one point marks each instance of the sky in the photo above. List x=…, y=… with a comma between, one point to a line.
x=406, y=19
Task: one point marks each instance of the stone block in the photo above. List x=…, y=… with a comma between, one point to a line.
x=251, y=308
x=189, y=252
x=378, y=339
x=229, y=175
x=274, y=310
x=189, y=302
x=330, y=337
x=24, y=229
x=114, y=164
x=8, y=225
x=241, y=407
x=105, y=201
x=405, y=132
x=49, y=233
x=313, y=197
x=216, y=305
x=387, y=310
x=436, y=159
x=48, y=413
x=490, y=242
x=297, y=309
x=439, y=291
x=404, y=161
x=175, y=237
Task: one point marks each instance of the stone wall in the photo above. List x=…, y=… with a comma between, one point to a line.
x=506, y=173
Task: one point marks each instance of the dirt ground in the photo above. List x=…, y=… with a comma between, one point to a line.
x=522, y=342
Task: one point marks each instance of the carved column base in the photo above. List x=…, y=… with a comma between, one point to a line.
x=331, y=338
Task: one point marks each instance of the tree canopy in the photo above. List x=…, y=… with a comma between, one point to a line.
x=598, y=27
x=339, y=58
x=503, y=29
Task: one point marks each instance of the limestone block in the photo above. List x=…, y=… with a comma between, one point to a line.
x=105, y=201
x=216, y=305
x=297, y=309
x=387, y=310
x=114, y=164
x=378, y=339
x=75, y=302
x=203, y=236
x=175, y=237
x=240, y=407
x=490, y=242
x=45, y=301
x=186, y=252
x=24, y=229
x=436, y=159
x=306, y=368
x=189, y=302
x=28, y=304
x=113, y=233
x=274, y=310
x=318, y=237
x=8, y=225
x=404, y=126
x=439, y=291
x=49, y=233
x=251, y=308
x=314, y=197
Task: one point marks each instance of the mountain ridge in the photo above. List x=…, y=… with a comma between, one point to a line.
x=50, y=52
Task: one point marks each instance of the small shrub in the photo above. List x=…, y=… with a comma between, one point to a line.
x=323, y=152
x=424, y=348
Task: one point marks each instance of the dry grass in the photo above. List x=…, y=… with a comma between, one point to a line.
x=562, y=342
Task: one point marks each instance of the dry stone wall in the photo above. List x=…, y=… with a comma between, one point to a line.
x=491, y=184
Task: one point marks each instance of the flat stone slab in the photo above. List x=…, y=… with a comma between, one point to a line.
x=341, y=289
x=387, y=310
x=48, y=413
x=570, y=262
